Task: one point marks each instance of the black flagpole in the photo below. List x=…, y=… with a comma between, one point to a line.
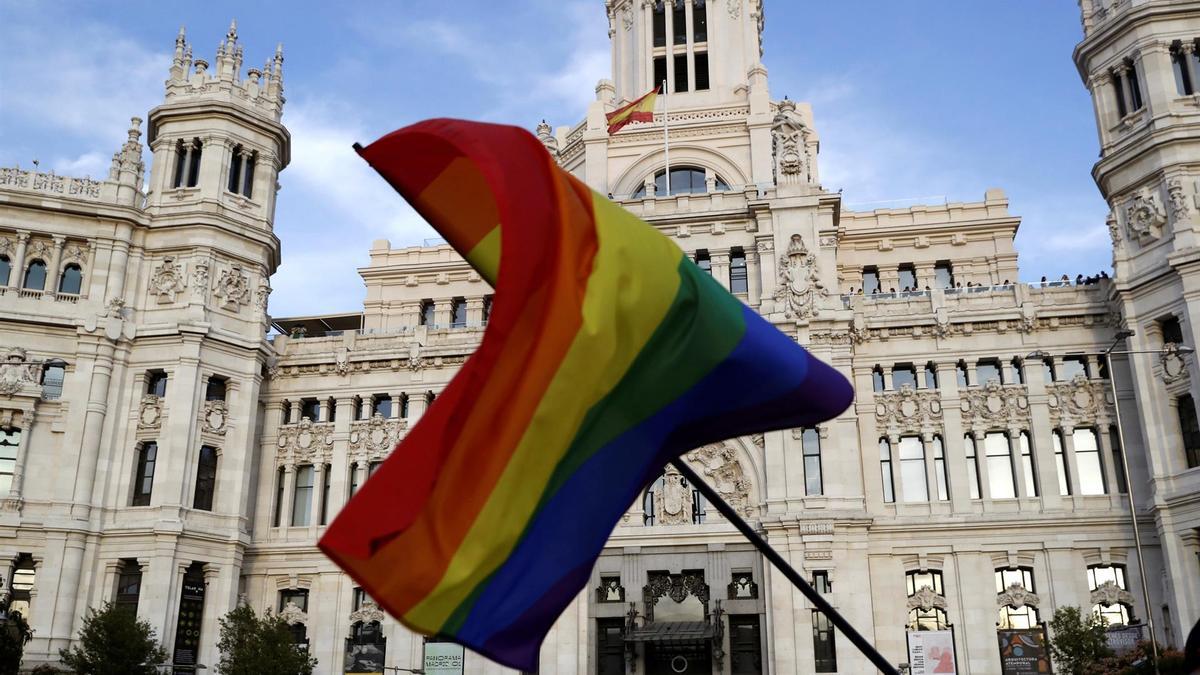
x=782, y=565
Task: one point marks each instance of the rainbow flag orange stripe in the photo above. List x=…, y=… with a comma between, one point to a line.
x=641, y=110
x=608, y=353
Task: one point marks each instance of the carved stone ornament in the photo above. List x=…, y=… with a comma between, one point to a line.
x=1016, y=596
x=799, y=283
x=734, y=7
x=1079, y=401
x=720, y=464
x=150, y=412
x=1109, y=593
x=261, y=295
x=292, y=614
x=610, y=590
x=742, y=587
x=341, y=362
x=1114, y=230
x=233, y=287
x=995, y=404
x=368, y=613
x=375, y=437
x=789, y=139
x=908, y=410
x=1178, y=201
x=1145, y=217
x=675, y=586
x=168, y=281
x=200, y=270
x=415, y=361
x=672, y=500
x=306, y=440
x=1171, y=363
x=546, y=135
x=16, y=372
x=214, y=417
x=925, y=600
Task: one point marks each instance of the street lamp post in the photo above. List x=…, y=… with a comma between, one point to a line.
x=1137, y=537
x=398, y=669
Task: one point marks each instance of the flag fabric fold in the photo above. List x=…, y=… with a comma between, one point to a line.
x=640, y=110
x=608, y=353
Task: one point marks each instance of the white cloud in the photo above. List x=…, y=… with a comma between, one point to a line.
x=91, y=164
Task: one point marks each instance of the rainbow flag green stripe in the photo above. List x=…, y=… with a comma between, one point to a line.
x=608, y=353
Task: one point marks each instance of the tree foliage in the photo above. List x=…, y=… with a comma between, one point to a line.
x=14, y=633
x=113, y=641
x=254, y=645
x=1078, y=640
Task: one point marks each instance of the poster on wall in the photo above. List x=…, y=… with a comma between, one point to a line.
x=366, y=649
x=1123, y=639
x=443, y=658
x=1023, y=652
x=931, y=651
x=191, y=612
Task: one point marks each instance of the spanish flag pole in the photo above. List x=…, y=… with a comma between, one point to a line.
x=666, y=143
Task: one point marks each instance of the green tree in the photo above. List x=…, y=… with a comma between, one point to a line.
x=14, y=633
x=253, y=645
x=113, y=641
x=1078, y=640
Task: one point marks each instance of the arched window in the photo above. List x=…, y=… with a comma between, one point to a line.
x=241, y=171
x=187, y=162
x=5, y=269
x=1109, y=595
x=71, y=280
x=670, y=500
x=216, y=389
x=1010, y=581
x=35, y=276
x=10, y=438
x=684, y=180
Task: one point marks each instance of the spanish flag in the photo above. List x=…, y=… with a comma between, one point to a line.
x=641, y=110
x=608, y=354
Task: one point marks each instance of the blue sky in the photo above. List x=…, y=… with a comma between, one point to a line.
x=926, y=100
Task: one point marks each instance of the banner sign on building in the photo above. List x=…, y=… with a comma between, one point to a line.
x=930, y=652
x=191, y=613
x=1023, y=652
x=443, y=658
x=366, y=649
x=1123, y=639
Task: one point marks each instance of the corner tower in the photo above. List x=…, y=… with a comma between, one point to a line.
x=1138, y=60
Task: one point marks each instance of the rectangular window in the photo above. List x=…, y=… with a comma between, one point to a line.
x=353, y=478
x=913, y=483
x=310, y=409
x=216, y=388
x=610, y=646
x=129, y=586
x=960, y=372
x=987, y=370
x=1135, y=89
x=1118, y=459
x=699, y=21
x=458, y=313
x=404, y=405
x=194, y=167
x=877, y=381
x=659, y=19
x=426, y=318
x=248, y=176
x=885, y=470
x=1172, y=330
x=325, y=494
x=1048, y=373
x=487, y=309
x=206, y=479
x=870, y=280
x=931, y=378
x=156, y=383
x=703, y=261
x=1072, y=366
x=330, y=409
x=908, y=277
x=1179, y=64
x=701, y=71
x=302, y=496
x=52, y=382
x=745, y=645
x=382, y=404
x=1119, y=90
x=820, y=582
x=9, y=440
x=1018, y=372
x=679, y=23
x=1189, y=429
x=902, y=374
x=1060, y=461
x=143, y=480
x=1087, y=462
x=279, y=482
x=811, y=441
x=681, y=73
x=943, y=275
x=294, y=596
x=1027, y=466
x=737, y=271
x=972, y=466
x=824, y=649
x=939, y=468
x=1001, y=482
x=660, y=72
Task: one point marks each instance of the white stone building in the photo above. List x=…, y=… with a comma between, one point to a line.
x=159, y=448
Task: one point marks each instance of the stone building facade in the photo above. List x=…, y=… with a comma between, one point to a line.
x=162, y=447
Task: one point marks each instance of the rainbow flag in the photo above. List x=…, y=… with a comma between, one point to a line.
x=641, y=110
x=608, y=353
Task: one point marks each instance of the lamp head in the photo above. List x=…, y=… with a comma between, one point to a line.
x=1123, y=334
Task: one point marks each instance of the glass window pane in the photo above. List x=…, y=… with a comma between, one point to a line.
x=302, y=497
x=35, y=276
x=908, y=278
x=71, y=281
x=943, y=276
x=699, y=21
x=1087, y=462
x=885, y=468
x=912, y=470
x=870, y=280
x=902, y=375
x=1060, y=460
x=985, y=371
x=1027, y=467
x=999, y=466
x=1072, y=366
x=972, y=466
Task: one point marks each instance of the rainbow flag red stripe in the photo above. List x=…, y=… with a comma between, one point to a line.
x=608, y=353
x=640, y=110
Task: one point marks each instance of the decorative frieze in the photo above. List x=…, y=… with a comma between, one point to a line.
x=292, y=614
x=1016, y=596
x=1079, y=402
x=368, y=613
x=908, y=410
x=799, y=282
x=305, y=442
x=17, y=372
x=1145, y=216
x=150, y=413
x=214, y=418
x=374, y=438
x=720, y=464
x=1109, y=593
x=995, y=405
x=233, y=288
x=16, y=178
x=925, y=599
x=168, y=281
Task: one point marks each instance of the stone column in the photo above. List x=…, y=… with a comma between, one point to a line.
x=1018, y=461
x=957, y=473
x=17, y=275
x=214, y=607
x=1125, y=91
x=52, y=271
x=719, y=261
x=294, y=414
x=930, y=465
x=416, y=407
x=365, y=408
x=1107, y=461
x=1072, y=466
x=289, y=489
x=475, y=311
x=397, y=399
x=753, y=272
x=67, y=593
x=981, y=462
x=318, y=493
